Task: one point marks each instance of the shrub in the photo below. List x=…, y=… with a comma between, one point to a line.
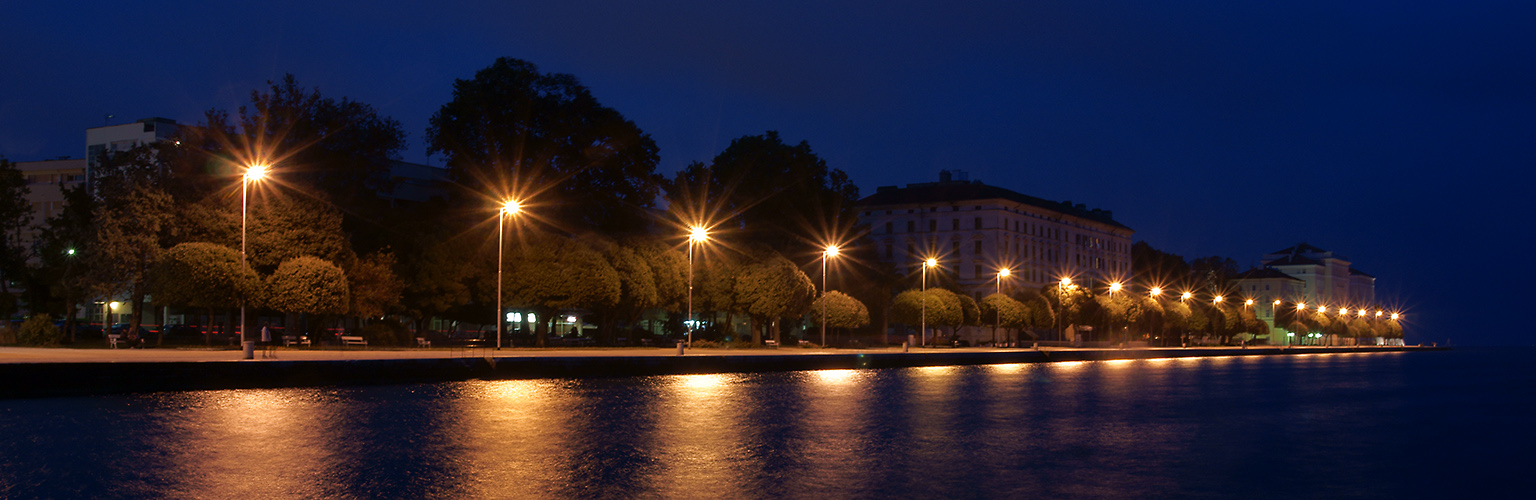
x=387, y=332
x=39, y=330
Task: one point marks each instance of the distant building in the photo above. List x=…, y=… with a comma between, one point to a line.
x=1305, y=274
x=974, y=230
x=46, y=181
x=415, y=182
x=114, y=138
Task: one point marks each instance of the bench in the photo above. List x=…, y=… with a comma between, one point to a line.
x=113, y=339
x=423, y=342
x=347, y=340
x=289, y=340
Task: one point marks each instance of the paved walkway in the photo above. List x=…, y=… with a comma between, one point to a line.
x=160, y=355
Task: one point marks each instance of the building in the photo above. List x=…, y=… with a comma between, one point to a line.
x=1305, y=274
x=46, y=181
x=114, y=138
x=974, y=230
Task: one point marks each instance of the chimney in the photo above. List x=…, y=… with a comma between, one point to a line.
x=944, y=176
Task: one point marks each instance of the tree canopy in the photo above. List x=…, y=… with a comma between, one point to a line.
x=545, y=138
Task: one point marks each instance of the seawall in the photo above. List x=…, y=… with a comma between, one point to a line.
x=32, y=380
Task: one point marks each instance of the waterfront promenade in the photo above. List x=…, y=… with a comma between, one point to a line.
x=46, y=372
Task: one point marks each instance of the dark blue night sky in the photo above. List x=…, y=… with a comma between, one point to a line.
x=1401, y=134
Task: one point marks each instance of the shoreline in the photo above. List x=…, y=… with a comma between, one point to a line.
x=103, y=372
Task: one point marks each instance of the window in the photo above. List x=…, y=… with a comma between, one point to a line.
x=933, y=225
x=887, y=251
x=956, y=246
x=978, y=270
x=978, y=223
x=911, y=226
x=954, y=224
x=887, y=228
x=978, y=247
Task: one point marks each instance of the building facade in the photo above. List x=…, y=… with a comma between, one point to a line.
x=114, y=138
x=46, y=182
x=975, y=230
x=1305, y=274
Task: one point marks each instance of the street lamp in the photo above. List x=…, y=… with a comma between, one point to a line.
x=1186, y=296
x=830, y=252
x=998, y=313
x=696, y=235
x=253, y=173
x=1061, y=306
x=1218, y=299
x=1155, y=291
x=923, y=322
x=509, y=208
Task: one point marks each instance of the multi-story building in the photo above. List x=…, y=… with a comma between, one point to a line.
x=974, y=230
x=114, y=138
x=46, y=181
x=1309, y=275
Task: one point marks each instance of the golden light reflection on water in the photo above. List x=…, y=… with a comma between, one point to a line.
x=249, y=443
x=513, y=437
x=698, y=440
x=835, y=377
x=1007, y=368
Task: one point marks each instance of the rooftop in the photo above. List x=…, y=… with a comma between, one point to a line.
x=1264, y=274
x=948, y=190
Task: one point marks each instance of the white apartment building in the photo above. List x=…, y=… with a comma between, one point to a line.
x=974, y=230
x=113, y=138
x=1305, y=274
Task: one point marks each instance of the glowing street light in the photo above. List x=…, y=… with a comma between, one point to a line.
x=998, y=314
x=1217, y=299
x=830, y=252
x=1061, y=287
x=1114, y=287
x=253, y=173
x=1186, y=296
x=1362, y=313
x=696, y=235
x=1248, y=302
x=1301, y=306
x=922, y=324
x=1155, y=291
x=1378, y=313
x=509, y=208
x=1394, y=316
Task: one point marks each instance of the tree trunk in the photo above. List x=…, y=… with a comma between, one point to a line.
x=136, y=298
x=774, y=326
x=543, y=330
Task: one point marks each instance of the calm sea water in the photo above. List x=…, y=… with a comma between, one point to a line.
x=1423, y=425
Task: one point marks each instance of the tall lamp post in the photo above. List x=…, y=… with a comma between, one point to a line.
x=509, y=208
x=997, y=315
x=923, y=322
x=253, y=173
x=1061, y=306
x=696, y=235
x=830, y=252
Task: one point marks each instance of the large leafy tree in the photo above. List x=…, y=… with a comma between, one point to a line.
x=63, y=247
x=841, y=311
x=776, y=194
x=15, y=217
x=374, y=289
x=1003, y=312
x=281, y=228
x=134, y=222
x=548, y=273
x=771, y=287
x=942, y=307
x=308, y=285
x=203, y=275
x=546, y=138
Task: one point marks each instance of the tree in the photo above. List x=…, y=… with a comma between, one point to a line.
x=637, y=286
x=441, y=280
x=15, y=217
x=771, y=287
x=841, y=310
x=130, y=231
x=373, y=288
x=544, y=136
x=548, y=273
x=773, y=193
x=281, y=228
x=1004, y=311
x=308, y=285
x=63, y=245
x=942, y=308
x=202, y=275
x=970, y=315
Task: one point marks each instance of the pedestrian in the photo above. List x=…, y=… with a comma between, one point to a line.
x=266, y=335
